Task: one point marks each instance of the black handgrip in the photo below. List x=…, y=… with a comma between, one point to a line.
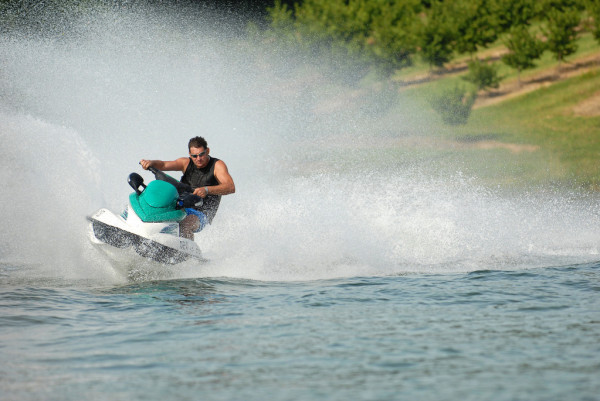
x=161, y=175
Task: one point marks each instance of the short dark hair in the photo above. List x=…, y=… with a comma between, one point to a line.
x=197, y=142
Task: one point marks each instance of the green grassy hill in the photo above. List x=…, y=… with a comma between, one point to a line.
x=549, y=134
x=549, y=119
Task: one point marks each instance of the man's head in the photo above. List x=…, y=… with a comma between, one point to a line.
x=197, y=142
x=199, y=151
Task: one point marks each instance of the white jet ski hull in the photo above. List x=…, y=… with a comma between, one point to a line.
x=157, y=241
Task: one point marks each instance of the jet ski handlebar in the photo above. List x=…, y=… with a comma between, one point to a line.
x=186, y=196
x=161, y=175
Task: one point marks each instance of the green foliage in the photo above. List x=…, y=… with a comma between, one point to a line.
x=475, y=24
x=524, y=48
x=483, y=74
x=560, y=5
x=561, y=31
x=280, y=17
x=393, y=35
x=454, y=105
x=437, y=36
x=379, y=33
x=511, y=13
x=593, y=7
x=386, y=34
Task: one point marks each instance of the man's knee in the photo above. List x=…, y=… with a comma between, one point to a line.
x=191, y=222
x=199, y=219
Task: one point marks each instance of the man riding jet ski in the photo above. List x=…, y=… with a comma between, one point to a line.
x=208, y=177
x=161, y=217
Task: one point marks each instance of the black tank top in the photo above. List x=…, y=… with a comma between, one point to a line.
x=202, y=177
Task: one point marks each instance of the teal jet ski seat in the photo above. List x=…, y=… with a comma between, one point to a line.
x=157, y=203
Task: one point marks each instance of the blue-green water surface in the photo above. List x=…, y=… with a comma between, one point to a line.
x=531, y=334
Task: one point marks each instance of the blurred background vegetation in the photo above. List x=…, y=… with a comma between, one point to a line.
x=495, y=78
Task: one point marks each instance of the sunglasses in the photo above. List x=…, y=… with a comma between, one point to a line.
x=198, y=155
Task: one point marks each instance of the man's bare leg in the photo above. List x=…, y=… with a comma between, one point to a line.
x=188, y=225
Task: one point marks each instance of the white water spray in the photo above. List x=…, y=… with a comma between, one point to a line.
x=78, y=112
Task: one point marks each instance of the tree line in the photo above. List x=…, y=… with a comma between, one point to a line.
x=388, y=35
x=391, y=34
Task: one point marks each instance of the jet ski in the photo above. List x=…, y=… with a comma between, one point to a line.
x=149, y=224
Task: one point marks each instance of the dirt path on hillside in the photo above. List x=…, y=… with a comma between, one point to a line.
x=511, y=89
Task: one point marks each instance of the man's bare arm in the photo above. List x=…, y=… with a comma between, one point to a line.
x=173, y=165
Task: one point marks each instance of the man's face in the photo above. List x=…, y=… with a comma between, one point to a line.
x=199, y=156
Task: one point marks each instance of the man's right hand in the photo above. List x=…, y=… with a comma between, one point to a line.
x=145, y=163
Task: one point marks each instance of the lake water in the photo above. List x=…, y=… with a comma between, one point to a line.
x=342, y=268
x=531, y=334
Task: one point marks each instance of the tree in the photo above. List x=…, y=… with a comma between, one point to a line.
x=483, y=74
x=561, y=33
x=393, y=36
x=511, y=13
x=524, y=48
x=593, y=8
x=475, y=24
x=454, y=105
x=280, y=17
x=437, y=36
